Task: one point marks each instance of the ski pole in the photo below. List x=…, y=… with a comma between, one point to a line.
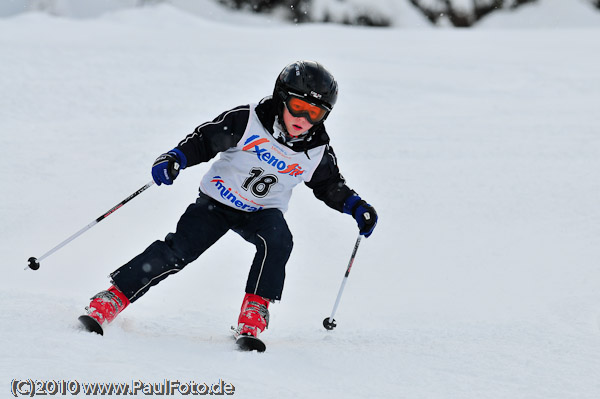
x=329, y=322
x=34, y=263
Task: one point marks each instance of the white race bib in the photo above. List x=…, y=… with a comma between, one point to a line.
x=259, y=172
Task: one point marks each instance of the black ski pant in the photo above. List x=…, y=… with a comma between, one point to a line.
x=200, y=226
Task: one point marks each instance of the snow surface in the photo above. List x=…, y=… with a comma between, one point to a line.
x=479, y=149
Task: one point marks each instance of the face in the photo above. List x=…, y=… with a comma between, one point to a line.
x=295, y=125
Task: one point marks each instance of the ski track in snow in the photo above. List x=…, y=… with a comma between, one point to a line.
x=479, y=150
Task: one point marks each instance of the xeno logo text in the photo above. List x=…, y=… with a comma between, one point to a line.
x=264, y=155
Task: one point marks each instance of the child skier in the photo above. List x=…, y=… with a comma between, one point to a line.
x=266, y=150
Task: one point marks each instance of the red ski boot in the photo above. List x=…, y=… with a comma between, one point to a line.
x=254, y=315
x=254, y=318
x=104, y=307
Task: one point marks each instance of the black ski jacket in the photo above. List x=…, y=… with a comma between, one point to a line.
x=225, y=131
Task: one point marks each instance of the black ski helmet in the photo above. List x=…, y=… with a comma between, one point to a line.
x=309, y=80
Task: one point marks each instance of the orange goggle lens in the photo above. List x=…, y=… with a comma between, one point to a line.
x=298, y=107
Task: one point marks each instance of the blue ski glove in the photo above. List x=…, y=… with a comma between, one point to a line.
x=365, y=214
x=167, y=166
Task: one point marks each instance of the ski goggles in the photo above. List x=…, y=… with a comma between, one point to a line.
x=298, y=107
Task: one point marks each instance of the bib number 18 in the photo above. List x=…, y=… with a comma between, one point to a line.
x=258, y=183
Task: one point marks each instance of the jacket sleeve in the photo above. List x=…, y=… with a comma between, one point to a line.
x=328, y=184
x=210, y=138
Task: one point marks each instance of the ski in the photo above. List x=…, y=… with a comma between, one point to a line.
x=90, y=324
x=248, y=343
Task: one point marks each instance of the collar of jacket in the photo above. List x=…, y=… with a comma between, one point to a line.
x=317, y=136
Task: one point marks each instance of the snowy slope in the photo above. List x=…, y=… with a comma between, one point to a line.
x=479, y=149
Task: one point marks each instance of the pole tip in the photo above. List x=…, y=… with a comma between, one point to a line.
x=33, y=263
x=329, y=325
